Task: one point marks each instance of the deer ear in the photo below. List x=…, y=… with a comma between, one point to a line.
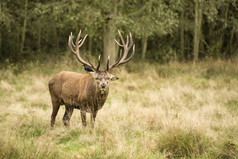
x=114, y=78
x=92, y=74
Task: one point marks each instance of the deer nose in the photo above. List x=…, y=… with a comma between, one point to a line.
x=103, y=85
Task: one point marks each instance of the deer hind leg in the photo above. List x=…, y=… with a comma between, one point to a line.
x=67, y=115
x=56, y=106
x=93, y=117
x=83, y=117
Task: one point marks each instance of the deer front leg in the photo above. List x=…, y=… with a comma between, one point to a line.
x=83, y=117
x=93, y=117
x=67, y=115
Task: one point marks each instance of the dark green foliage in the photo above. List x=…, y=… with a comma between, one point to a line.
x=162, y=30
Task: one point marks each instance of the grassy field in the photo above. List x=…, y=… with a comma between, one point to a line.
x=154, y=111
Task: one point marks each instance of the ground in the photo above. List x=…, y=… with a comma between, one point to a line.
x=174, y=110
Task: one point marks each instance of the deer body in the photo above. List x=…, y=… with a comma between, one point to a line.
x=76, y=91
x=87, y=92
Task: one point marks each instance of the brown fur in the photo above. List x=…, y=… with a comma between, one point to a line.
x=76, y=91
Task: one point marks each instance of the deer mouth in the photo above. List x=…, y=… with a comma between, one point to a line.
x=102, y=90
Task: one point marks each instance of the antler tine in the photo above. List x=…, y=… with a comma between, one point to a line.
x=108, y=60
x=127, y=40
x=122, y=40
x=70, y=43
x=98, y=63
x=83, y=40
x=126, y=49
x=126, y=46
x=70, y=39
x=78, y=43
x=90, y=62
x=78, y=37
x=119, y=59
x=131, y=40
x=132, y=54
x=118, y=43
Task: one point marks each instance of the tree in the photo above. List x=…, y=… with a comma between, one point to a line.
x=153, y=17
x=197, y=28
x=23, y=34
x=190, y=29
x=5, y=20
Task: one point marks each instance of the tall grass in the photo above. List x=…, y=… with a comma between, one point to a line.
x=175, y=110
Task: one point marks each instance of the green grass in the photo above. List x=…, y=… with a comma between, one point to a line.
x=175, y=110
x=232, y=106
x=183, y=144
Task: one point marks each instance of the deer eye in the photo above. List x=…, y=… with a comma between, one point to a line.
x=97, y=78
x=107, y=78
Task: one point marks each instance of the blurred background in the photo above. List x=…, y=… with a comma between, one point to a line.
x=163, y=30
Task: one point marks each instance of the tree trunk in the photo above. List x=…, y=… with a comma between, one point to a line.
x=56, y=32
x=23, y=35
x=230, y=49
x=39, y=39
x=17, y=47
x=108, y=42
x=55, y=41
x=188, y=47
x=109, y=45
x=144, y=46
x=90, y=45
x=197, y=29
x=182, y=35
x=57, y=44
x=1, y=43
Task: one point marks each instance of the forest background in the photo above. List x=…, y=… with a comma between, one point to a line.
x=163, y=30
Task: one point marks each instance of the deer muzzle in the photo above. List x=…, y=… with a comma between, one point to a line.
x=103, y=85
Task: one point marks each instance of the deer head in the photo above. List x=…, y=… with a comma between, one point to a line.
x=103, y=77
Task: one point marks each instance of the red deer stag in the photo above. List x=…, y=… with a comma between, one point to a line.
x=87, y=92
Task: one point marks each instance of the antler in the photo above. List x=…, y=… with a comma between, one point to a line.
x=126, y=46
x=75, y=50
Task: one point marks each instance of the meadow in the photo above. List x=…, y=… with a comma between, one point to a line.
x=174, y=110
